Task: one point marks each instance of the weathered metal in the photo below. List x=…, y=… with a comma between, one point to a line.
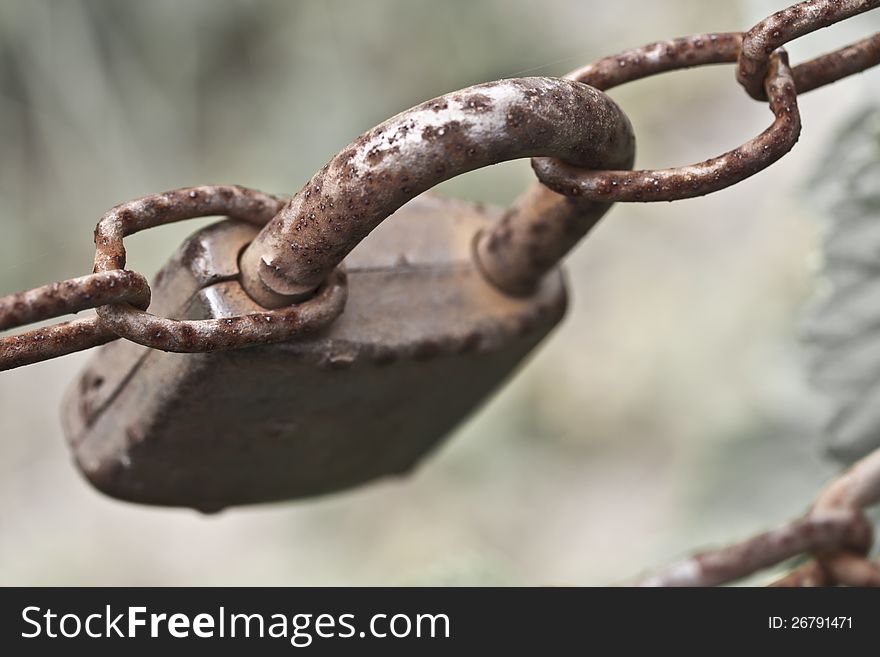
x=53, y=341
x=532, y=237
x=537, y=232
x=423, y=340
x=543, y=225
x=835, y=531
x=699, y=179
x=413, y=151
x=72, y=296
x=820, y=532
x=837, y=65
x=447, y=298
x=128, y=218
x=796, y=21
x=256, y=327
x=63, y=298
x=660, y=57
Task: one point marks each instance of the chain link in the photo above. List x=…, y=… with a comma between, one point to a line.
x=189, y=336
x=411, y=152
x=835, y=531
x=697, y=179
x=796, y=21
x=121, y=297
x=63, y=298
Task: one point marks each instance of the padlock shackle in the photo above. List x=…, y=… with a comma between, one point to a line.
x=423, y=146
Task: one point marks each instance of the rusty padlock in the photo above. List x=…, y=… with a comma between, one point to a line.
x=445, y=299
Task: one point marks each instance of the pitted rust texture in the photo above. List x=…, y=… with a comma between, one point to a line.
x=53, y=341
x=796, y=21
x=660, y=57
x=131, y=217
x=456, y=133
x=62, y=298
x=204, y=335
x=72, y=296
x=544, y=225
x=540, y=229
x=209, y=334
x=415, y=150
x=533, y=236
x=697, y=179
x=838, y=64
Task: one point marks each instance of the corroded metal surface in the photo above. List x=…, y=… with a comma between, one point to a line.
x=578, y=137
x=837, y=65
x=139, y=214
x=836, y=531
x=256, y=327
x=62, y=298
x=660, y=57
x=532, y=237
x=796, y=21
x=723, y=48
x=447, y=298
x=543, y=225
x=72, y=296
x=423, y=341
x=415, y=150
x=697, y=179
x=53, y=341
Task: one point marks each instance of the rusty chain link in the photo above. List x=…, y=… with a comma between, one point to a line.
x=305, y=241
x=582, y=147
x=835, y=531
x=188, y=336
x=62, y=298
x=121, y=297
x=698, y=179
x=579, y=136
x=411, y=152
x=796, y=21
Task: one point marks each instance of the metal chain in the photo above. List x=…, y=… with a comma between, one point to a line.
x=63, y=298
x=698, y=179
x=593, y=134
x=121, y=296
x=302, y=244
x=835, y=531
x=796, y=21
x=411, y=152
x=190, y=336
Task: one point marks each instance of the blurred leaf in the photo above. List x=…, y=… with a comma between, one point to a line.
x=844, y=329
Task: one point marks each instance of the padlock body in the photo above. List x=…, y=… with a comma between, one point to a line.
x=423, y=340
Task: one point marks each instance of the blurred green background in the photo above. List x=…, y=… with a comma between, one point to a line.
x=669, y=412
